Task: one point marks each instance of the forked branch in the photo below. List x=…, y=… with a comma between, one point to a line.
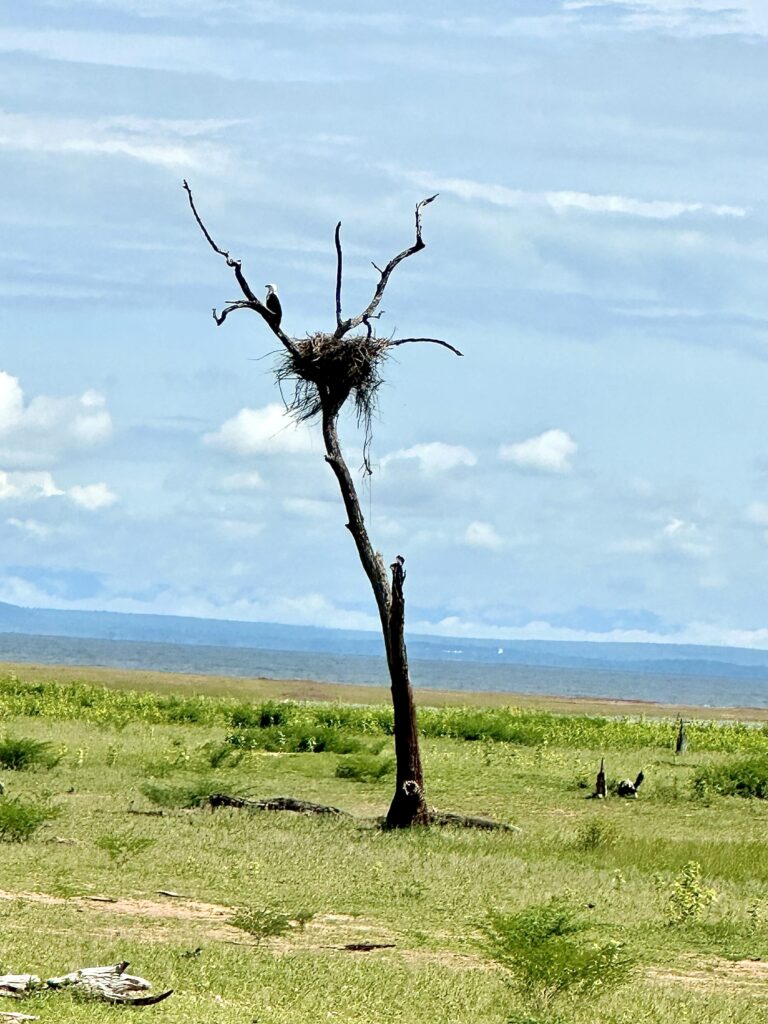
x=251, y=301
x=345, y=326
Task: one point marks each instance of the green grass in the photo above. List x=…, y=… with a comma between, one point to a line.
x=428, y=891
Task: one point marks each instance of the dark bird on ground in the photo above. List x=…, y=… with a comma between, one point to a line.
x=628, y=788
x=682, y=740
x=272, y=302
x=600, y=786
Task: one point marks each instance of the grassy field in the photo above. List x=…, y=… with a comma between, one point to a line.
x=126, y=763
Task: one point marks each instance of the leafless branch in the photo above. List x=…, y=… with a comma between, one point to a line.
x=252, y=302
x=431, y=341
x=221, y=317
x=347, y=325
x=337, y=239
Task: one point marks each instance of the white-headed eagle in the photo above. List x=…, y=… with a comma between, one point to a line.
x=272, y=302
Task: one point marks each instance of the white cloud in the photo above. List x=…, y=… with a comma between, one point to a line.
x=167, y=143
x=311, y=508
x=702, y=17
x=565, y=201
x=92, y=496
x=550, y=452
x=31, y=527
x=482, y=535
x=757, y=513
x=47, y=424
x=27, y=486
x=433, y=457
x=676, y=536
x=267, y=431
x=247, y=481
x=695, y=632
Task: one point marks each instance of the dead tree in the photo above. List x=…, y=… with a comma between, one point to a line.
x=326, y=369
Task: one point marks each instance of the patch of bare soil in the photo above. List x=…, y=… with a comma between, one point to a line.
x=745, y=975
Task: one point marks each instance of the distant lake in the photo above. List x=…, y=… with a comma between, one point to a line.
x=433, y=674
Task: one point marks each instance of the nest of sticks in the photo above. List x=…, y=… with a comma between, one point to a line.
x=325, y=371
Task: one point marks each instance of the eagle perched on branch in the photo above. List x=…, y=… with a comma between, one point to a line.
x=272, y=302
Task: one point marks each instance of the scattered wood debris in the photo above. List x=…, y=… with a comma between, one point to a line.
x=110, y=983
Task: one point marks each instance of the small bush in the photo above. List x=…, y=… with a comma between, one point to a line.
x=192, y=794
x=20, y=819
x=299, y=738
x=596, y=835
x=547, y=955
x=222, y=755
x=747, y=777
x=689, y=897
x=261, y=716
x=365, y=768
x=123, y=846
x=261, y=922
x=18, y=753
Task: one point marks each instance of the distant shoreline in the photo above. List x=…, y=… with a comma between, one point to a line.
x=350, y=693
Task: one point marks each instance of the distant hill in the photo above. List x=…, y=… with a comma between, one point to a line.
x=651, y=659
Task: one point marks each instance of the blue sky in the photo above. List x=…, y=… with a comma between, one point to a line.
x=597, y=464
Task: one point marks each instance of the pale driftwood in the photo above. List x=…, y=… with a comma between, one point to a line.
x=110, y=983
x=10, y=1015
x=15, y=985
x=276, y=803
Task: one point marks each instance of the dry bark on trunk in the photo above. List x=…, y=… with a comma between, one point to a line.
x=408, y=805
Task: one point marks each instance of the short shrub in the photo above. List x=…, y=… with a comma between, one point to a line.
x=298, y=738
x=365, y=768
x=17, y=753
x=20, y=819
x=747, y=777
x=547, y=955
x=222, y=755
x=689, y=897
x=596, y=835
x=122, y=847
x=261, y=922
x=261, y=716
x=191, y=794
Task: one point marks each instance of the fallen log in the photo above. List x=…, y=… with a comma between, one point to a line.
x=276, y=803
x=469, y=821
x=110, y=983
x=289, y=803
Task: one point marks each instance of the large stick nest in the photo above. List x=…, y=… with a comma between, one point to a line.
x=325, y=371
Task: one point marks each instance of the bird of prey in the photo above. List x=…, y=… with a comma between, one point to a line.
x=272, y=302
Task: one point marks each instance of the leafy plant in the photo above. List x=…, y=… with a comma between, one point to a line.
x=596, y=835
x=122, y=846
x=18, y=753
x=747, y=777
x=20, y=819
x=261, y=922
x=298, y=738
x=191, y=794
x=689, y=896
x=365, y=767
x=547, y=954
x=222, y=755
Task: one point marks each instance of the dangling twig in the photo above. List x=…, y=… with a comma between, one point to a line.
x=431, y=341
x=337, y=239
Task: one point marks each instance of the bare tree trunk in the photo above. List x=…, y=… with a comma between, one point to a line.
x=408, y=805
